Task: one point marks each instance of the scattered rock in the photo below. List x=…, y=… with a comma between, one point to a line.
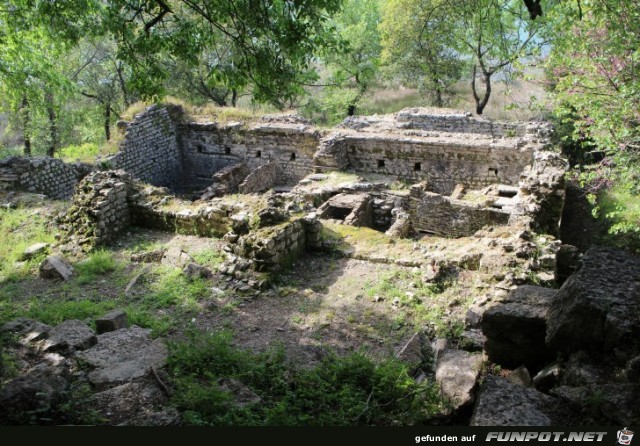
x=596, y=309
x=612, y=403
x=174, y=256
x=501, y=403
x=567, y=259
x=457, y=373
x=68, y=337
x=123, y=355
x=154, y=256
x=413, y=352
x=243, y=396
x=472, y=340
x=515, y=328
x=126, y=401
x=520, y=376
x=195, y=271
x=34, y=250
x=112, y=321
x=548, y=377
x=56, y=267
x=28, y=329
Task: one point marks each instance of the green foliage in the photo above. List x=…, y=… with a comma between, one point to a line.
x=54, y=312
x=340, y=391
x=86, y=152
x=97, y=264
x=173, y=288
x=210, y=258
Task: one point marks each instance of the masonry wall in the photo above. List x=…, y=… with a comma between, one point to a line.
x=434, y=213
x=42, y=175
x=207, y=148
x=441, y=164
x=261, y=179
x=150, y=149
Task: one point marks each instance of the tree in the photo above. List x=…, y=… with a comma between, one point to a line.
x=419, y=45
x=496, y=34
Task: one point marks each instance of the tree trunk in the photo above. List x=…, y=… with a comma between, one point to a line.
x=107, y=121
x=234, y=97
x=26, y=123
x=481, y=103
x=123, y=85
x=53, y=126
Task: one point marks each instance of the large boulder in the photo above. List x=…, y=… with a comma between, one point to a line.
x=121, y=403
x=597, y=308
x=68, y=337
x=457, y=373
x=56, y=267
x=515, y=328
x=501, y=403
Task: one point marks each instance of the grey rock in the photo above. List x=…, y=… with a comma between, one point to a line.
x=123, y=355
x=632, y=370
x=594, y=309
x=414, y=351
x=68, y=337
x=457, y=373
x=515, y=328
x=501, y=403
x=472, y=340
x=195, y=271
x=34, y=250
x=243, y=396
x=612, y=403
x=174, y=256
x=548, y=377
x=121, y=403
x=112, y=321
x=28, y=329
x=567, y=260
x=520, y=376
x=154, y=256
x=56, y=267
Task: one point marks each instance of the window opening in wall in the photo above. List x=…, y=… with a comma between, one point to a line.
x=227, y=150
x=200, y=148
x=417, y=167
x=259, y=154
x=493, y=170
x=293, y=156
x=380, y=164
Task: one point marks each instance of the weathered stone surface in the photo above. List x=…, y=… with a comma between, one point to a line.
x=41, y=387
x=176, y=257
x=520, y=376
x=567, y=260
x=195, y=271
x=515, y=328
x=154, y=256
x=68, y=337
x=414, y=351
x=34, y=250
x=28, y=329
x=501, y=403
x=56, y=267
x=548, y=377
x=123, y=355
x=596, y=309
x=112, y=321
x=612, y=403
x=122, y=403
x=243, y=396
x=457, y=374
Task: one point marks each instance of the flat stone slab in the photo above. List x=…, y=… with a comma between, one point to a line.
x=68, y=337
x=28, y=329
x=34, y=250
x=413, y=352
x=124, y=355
x=121, y=403
x=174, y=256
x=56, y=267
x=457, y=373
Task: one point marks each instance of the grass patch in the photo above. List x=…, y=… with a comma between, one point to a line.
x=620, y=209
x=97, y=264
x=210, y=258
x=352, y=390
x=173, y=288
x=86, y=153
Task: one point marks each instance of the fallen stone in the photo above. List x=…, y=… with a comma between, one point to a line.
x=612, y=403
x=68, y=337
x=123, y=355
x=154, y=256
x=457, y=373
x=112, y=321
x=34, y=250
x=520, y=376
x=596, y=309
x=56, y=267
x=515, y=328
x=27, y=329
x=548, y=377
x=567, y=260
x=472, y=340
x=243, y=396
x=126, y=401
x=414, y=351
x=195, y=271
x=174, y=256
x=501, y=403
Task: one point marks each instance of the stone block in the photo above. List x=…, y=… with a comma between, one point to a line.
x=112, y=321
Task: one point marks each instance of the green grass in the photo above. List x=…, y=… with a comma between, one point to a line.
x=620, y=209
x=210, y=258
x=351, y=390
x=84, y=153
x=173, y=289
x=97, y=264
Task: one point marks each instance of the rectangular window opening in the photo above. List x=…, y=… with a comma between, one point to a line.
x=417, y=167
x=380, y=164
x=293, y=156
x=227, y=150
x=259, y=154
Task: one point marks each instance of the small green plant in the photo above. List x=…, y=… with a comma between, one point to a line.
x=97, y=264
x=173, y=288
x=210, y=258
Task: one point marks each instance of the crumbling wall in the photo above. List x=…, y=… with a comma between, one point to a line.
x=262, y=178
x=42, y=175
x=150, y=149
x=437, y=214
x=209, y=147
x=205, y=221
x=226, y=181
x=100, y=209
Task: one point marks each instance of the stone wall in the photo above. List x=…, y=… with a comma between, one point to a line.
x=209, y=147
x=262, y=178
x=205, y=221
x=437, y=214
x=42, y=175
x=150, y=149
x=100, y=209
x=226, y=181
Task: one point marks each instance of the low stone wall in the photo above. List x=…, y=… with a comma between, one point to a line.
x=100, y=210
x=437, y=214
x=206, y=221
x=42, y=175
x=150, y=149
x=226, y=181
x=261, y=179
